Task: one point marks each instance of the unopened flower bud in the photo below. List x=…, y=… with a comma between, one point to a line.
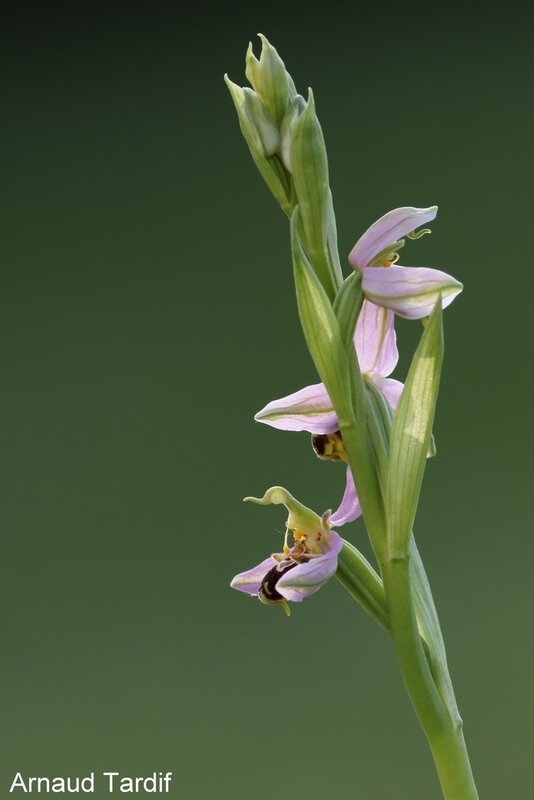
x=263, y=141
x=287, y=129
x=271, y=81
x=256, y=124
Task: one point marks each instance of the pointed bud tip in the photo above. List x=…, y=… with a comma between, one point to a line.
x=265, y=44
x=309, y=112
x=250, y=54
x=231, y=85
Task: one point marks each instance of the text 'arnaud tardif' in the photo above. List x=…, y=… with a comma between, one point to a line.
x=113, y=782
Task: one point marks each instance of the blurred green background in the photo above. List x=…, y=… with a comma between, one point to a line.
x=147, y=312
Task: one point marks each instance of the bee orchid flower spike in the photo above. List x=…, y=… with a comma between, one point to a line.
x=378, y=427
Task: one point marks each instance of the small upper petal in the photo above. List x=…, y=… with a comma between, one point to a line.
x=250, y=581
x=410, y=292
x=375, y=340
x=350, y=507
x=386, y=231
x=306, y=579
x=391, y=389
x=309, y=409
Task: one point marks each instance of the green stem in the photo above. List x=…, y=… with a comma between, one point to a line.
x=358, y=452
x=453, y=767
x=413, y=662
x=430, y=630
x=360, y=458
x=444, y=734
x=411, y=616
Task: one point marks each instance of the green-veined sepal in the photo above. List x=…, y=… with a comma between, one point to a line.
x=321, y=328
x=410, y=435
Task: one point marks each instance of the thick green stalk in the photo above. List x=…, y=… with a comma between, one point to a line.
x=453, y=767
x=444, y=734
x=358, y=453
x=422, y=660
x=360, y=458
x=415, y=668
x=430, y=630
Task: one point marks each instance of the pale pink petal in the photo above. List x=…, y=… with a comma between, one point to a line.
x=250, y=581
x=350, y=507
x=375, y=340
x=410, y=292
x=391, y=389
x=386, y=231
x=309, y=409
x=306, y=579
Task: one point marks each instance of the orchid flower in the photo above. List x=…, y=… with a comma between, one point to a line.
x=410, y=292
x=298, y=571
x=310, y=409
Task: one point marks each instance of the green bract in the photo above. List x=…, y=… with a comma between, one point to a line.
x=270, y=79
x=347, y=306
x=321, y=328
x=411, y=435
x=309, y=169
x=263, y=141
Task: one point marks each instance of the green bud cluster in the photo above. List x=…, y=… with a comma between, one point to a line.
x=285, y=140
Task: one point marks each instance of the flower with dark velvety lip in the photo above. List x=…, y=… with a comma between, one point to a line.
x=297, y=571
x=310, y=408
x=410, y=292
